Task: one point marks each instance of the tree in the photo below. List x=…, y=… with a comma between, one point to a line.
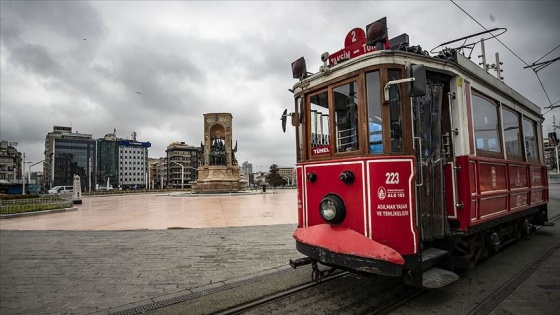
x=273, y=177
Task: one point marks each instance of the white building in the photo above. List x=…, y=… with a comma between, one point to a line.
x=133, y=163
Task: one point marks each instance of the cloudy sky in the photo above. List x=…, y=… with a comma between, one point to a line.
x=80, y=64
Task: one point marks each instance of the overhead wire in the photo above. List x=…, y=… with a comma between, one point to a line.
x=536, y=74
x=547, y=54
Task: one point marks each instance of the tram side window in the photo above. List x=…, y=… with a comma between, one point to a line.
x=512, y=134
x=486, y=127
x=319, y=116
x=395, y=112
x=346, y=117
x=375, y=125
x=531, y=146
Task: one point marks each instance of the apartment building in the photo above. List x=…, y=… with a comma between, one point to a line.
x=10, y=162
x=182, y=162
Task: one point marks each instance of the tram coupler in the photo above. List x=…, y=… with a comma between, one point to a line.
x=318, y=275
x=300, y=262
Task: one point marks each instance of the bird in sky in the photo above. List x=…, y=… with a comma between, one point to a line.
x=138, y=92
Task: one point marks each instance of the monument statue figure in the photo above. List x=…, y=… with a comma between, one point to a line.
x=220, y=170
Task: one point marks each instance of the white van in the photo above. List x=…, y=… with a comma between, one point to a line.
x=61, y=190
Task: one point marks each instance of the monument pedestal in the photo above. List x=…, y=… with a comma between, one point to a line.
x=218, y=179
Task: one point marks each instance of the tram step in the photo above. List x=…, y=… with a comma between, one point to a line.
x=436, y=278
x=432, y=253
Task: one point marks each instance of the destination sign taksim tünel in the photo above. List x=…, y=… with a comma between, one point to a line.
x=354, y=46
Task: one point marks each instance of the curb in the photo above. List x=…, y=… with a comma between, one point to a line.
x=25, y=214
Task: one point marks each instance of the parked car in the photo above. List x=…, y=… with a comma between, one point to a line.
x=61, y=190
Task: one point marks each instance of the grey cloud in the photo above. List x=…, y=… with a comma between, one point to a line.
x=36, y=59
x=71, y=19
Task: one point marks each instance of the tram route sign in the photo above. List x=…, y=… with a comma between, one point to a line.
x=354, y=46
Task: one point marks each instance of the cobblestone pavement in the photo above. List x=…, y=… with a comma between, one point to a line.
x=83, y=272
x=79, y=271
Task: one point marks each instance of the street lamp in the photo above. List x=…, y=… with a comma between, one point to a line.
x=182, y=173
x=23, y=174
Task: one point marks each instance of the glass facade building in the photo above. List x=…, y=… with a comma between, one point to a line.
x=74, y=157
x=107, y=159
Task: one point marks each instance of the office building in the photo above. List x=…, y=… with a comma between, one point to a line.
x=107, y=161
x=68, y=154
x=133, y=163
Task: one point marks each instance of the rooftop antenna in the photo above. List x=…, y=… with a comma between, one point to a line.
x=483, y=55
x=495, y=66
x=498, y=67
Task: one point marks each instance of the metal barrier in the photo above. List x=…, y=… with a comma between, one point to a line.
x=13, y=206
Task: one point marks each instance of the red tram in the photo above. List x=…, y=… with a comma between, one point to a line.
x=410, y=165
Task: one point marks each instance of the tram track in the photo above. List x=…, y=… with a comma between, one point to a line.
x=244, y=307
x=401, y=296
x=351, y=294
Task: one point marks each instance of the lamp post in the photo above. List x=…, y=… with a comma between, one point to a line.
x=182, y=173
x=23, y=174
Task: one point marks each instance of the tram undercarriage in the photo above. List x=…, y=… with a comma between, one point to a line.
x=481, y=242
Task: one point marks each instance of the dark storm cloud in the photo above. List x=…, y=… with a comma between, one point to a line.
x=71, y=19
x=41, y=36
x=35, y=59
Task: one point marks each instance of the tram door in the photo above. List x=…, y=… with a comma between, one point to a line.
x=428, y=120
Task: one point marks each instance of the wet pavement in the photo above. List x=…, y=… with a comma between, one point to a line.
x=120, y=252
x=165, y=211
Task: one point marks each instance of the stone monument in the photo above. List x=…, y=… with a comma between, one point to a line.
x=220, y=172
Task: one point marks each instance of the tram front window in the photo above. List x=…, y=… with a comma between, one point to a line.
x=346, y=115
x=375, y=126
x=319, y=124
x=299, y=109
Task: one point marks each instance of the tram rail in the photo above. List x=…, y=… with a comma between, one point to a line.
x=238, y=309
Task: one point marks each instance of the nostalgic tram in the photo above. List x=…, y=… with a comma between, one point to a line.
x=410, y=165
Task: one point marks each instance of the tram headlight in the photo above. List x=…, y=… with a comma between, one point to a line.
x=332, y=209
